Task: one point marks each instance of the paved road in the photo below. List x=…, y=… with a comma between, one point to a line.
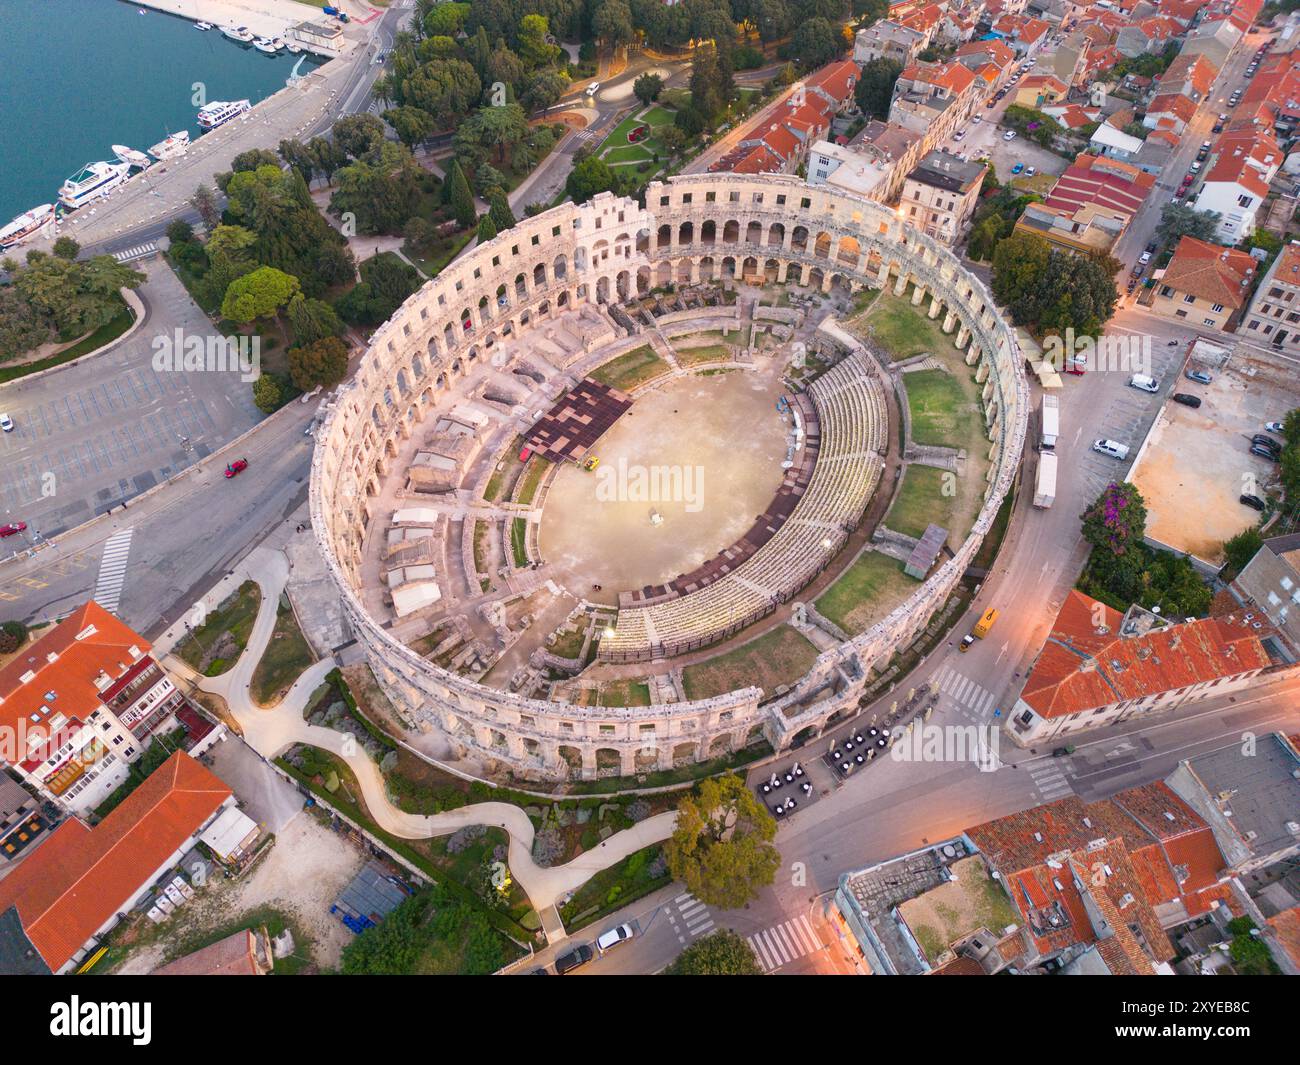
x=90, y=436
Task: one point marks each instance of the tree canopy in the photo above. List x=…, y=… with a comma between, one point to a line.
x=720, y=953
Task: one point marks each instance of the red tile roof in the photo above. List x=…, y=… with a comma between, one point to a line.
x=1286, y=926
x=72, y=674
x=1082, y=667
x=1103, y=183
x=1173, y=103
x=1214, y=273
x=71, y=886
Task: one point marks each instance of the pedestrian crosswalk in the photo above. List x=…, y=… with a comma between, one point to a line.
x=112, y=570
x=138, y=252
x=976, y=701
x=689, y=917
x=783, y=943
x=1050, y=780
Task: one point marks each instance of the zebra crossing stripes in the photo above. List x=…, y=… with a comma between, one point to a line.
x=112, y=570
x=966, y=693
x=689, y=917
x=137, y=252
x=1049, y=778
x=783, y=943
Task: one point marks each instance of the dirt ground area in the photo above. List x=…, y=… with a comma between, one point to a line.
x=301, y=876
x=715, y=445
x=1197, y=462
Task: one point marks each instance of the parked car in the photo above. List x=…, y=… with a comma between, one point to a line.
x=579, y=955
x=1144, y=258
x=1144, y=383
x=13, y=528
x=1199, y=376
x=6, y=423
x=234, y=469
x=1195, y=167
x=1254, y=502
x=967, y=642
x=1030, y=171
x=991, y=101
x=1112, y=448
x=959, y=135
x=1009, y=135
x=611, y=939
x=976, y=118
x=1018, y=168
x=1274, y=446
x=1273, y=427
x=1263, y=452
x=1187, y=400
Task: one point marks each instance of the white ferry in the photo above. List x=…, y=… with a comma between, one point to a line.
x=267, y=47
x=237, y=33
x=175, y=145
x=131, y=157
x=26, y=226
x=221, y=111
x=91, y=182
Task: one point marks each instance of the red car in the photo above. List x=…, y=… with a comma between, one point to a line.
x=13, y=529
x=237, y=467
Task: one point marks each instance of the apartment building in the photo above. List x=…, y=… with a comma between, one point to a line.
x=940, y=195
x=1205, y=284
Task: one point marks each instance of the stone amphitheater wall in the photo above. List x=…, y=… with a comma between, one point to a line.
x=693, y=228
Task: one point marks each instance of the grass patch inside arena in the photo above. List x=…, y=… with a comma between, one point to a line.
x=778, y=657
x=867, y=591
x=631, y=370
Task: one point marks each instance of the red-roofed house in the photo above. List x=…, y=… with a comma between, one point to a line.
x=933, y=98
x=1274, y=317
x=1173, y=106
x=1242, y=163
x=1090, y=205
x=1091, y=673
x=80, y=704
x=1205, y=284
x=1098, y=883
x=73, y=889
x=1189, y=75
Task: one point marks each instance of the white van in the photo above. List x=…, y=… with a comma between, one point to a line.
x=591, y=89
x=1112, y=448
x=1142, y=381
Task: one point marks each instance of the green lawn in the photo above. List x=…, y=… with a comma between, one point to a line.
x=939, y=409
x=705, y=353
x=628, y=371
x=215, y=645
x=624, y=693
x=285, y=659
x=927, y=495
x=904, y=330
x=519, y=542
x=615, y=887
x=536, y=470
x=778, y=657
x=868, y=590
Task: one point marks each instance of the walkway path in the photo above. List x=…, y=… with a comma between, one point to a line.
x=272, y=731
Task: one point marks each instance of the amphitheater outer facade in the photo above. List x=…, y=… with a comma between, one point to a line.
x=610, y=248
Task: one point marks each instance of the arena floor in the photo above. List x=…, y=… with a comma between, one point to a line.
x=717, y=443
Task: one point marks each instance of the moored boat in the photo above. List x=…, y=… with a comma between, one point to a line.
x=203, y=25
x=92, y=182
x=265, y=46
x=293, y=47
x=237, y=33
x=219, y=112
x=26, y=225
x=175, y=145
x=131, y=157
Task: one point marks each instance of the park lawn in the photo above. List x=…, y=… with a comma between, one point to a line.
x=864, y=593
x=624, y=692
x=778, y=657
x=631, y=153
x=628, y=371
x=285, y=659
x=231, y=623
x=921, y=500
x=904, y=330
x=658, y=116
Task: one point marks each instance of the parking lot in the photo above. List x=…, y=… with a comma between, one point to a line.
x=1197, y=462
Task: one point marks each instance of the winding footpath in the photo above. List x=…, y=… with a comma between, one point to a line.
x=272, y=730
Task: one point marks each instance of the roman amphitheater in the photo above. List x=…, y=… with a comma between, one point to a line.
x=631, y=488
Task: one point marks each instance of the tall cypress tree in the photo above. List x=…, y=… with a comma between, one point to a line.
x=487, y=229
x=502, y=216
x=461, y=199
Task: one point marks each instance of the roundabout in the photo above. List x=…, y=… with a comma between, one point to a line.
x=764, y=444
